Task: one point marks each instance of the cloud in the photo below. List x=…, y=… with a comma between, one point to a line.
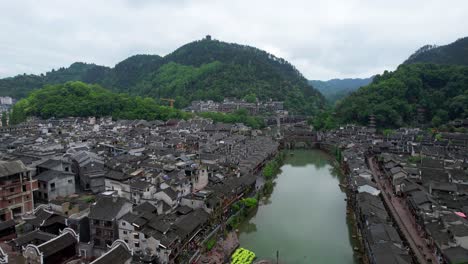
x=323, y=39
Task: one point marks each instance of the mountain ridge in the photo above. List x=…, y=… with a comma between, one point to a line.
x=199, y=70
x=455, y=53
x=336, y=89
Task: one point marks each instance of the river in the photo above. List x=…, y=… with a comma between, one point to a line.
x=305, y=216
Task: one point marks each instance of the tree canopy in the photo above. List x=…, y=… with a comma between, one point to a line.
x=435, y=93
x=455, y=53
x=81, y=100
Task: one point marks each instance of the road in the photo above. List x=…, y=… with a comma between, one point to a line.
x=403, y=217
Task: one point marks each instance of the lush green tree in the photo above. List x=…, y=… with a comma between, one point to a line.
x=396, y=98
x=250, y=98
x=249, y=202
x=4, y=118
x=80, y=100
x=324, y=121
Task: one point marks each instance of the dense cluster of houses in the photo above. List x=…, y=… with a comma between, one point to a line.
x=229, y=105
x=96, y=190
x=429, y=173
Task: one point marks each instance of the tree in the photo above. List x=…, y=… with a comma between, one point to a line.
x=250, y=98
x=4, y=118
x=324, y=121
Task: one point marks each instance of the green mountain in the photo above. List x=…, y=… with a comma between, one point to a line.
x=81, y=99
x=413, y=93
x=455, y=53
x=337, y=89
x=204, y=69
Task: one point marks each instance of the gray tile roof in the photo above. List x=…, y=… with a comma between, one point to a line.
x=106, y=208
x=11, y=167
x=57, y=244
x=117, y=255
x=51, y=174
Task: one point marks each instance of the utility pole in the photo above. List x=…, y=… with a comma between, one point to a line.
x=277, y=256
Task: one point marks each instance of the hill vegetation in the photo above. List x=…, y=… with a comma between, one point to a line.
x=81, y=100
x=440, y=91
x=455, y=53
x=337, y=89
x=204, y=69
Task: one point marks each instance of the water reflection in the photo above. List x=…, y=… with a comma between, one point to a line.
x=300, y=158
x=249, y=228
x=305, y=216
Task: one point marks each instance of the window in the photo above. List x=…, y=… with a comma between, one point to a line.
x=46, y=196
x=24, y=187
x=125, y=232
x=70, y=181
x=137, y=244
x=96, y=222
x=108, y=242
x=124, y=224
x=97, y=242
x=126, y=241
x=98, y=232
x=52, y=186
x=136, y=236
x=12, y=189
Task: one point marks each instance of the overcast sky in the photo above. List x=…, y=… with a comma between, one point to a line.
x=323, y=39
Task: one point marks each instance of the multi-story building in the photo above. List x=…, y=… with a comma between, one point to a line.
x=103, y=217
x=16, y=189
x=6, y=100
x=53, y=184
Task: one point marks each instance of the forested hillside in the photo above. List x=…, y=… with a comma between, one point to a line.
x=205, y=69
x=455, y=53
x=81, y=100
x=440, y=91
x=336, y=89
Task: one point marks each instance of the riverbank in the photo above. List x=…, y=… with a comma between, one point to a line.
x=307, y=169
x=304, y=218
x=354, y=232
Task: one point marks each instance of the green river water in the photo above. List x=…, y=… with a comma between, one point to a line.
x=305, y=216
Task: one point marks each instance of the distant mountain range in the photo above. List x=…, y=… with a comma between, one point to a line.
x=455, y=53
x=200, y=70
x=336, y=89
